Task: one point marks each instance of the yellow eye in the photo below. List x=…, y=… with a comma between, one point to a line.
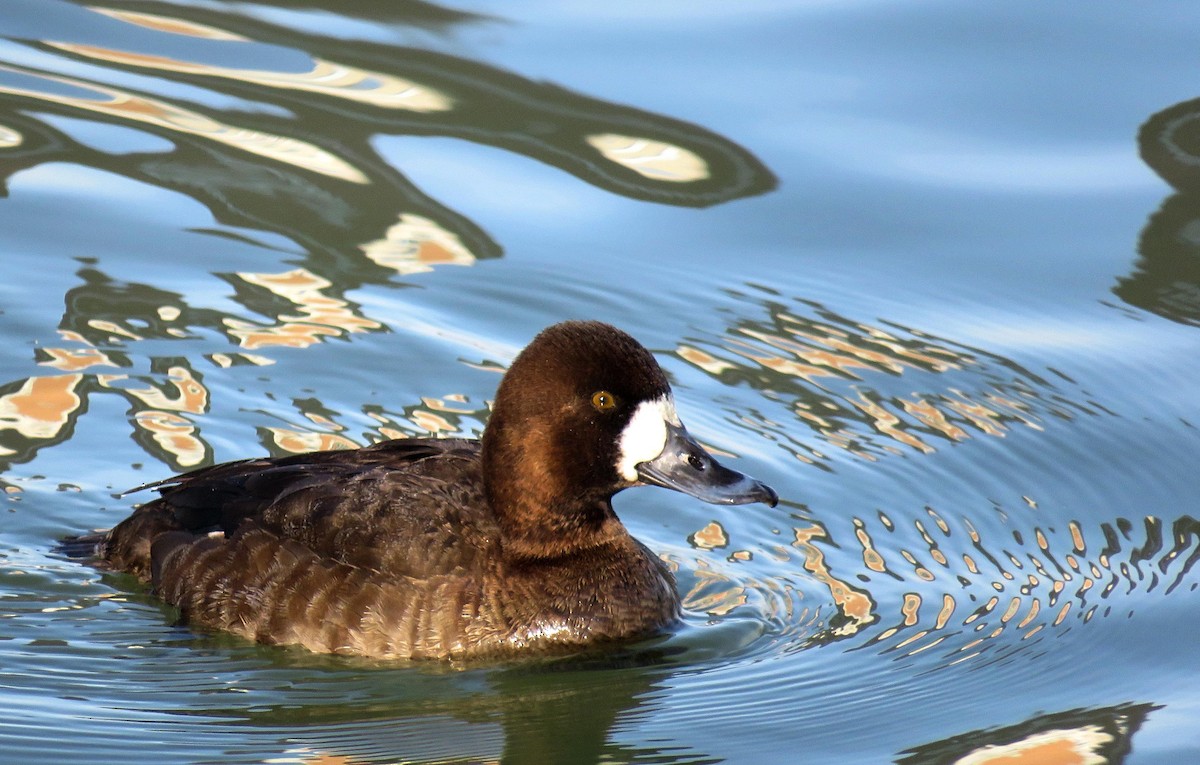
x=604, y=401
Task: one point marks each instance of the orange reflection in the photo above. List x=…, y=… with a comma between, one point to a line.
x=711, y=537
x=185, y=394
x=173, y=434
x=840, y=377
x=41, y=407
x=713, y=593
x=415, y=245
x=855, y=607
x=432, y=422
x=1100, y=736
x=872, y=558
x=1067, y=747
x=657, y=160
x=298, y=441
x=1043, y=596
x=321, y=315
x=75, y=359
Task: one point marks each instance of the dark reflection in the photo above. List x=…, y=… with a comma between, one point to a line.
x=1169, y=143
x=567, y=711
x=1102, y=736
x=408, y=12
x=321, y=213
x=302, y=164
x=683, y=164
x=101, y=311
x=1166, y=279
x=294, y=159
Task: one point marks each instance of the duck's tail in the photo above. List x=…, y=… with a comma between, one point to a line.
x=83, y=547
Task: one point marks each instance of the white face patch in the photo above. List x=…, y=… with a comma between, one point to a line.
x=645, y=436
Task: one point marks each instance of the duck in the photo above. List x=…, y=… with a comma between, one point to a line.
x=448, y=549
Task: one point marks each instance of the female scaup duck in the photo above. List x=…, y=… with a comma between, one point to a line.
x=444, y=548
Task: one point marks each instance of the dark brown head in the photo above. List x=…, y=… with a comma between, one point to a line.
x=583, y=412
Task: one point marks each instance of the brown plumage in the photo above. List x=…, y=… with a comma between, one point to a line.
x=437, y=548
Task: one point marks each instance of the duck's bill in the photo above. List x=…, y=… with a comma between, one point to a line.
x=685, y=466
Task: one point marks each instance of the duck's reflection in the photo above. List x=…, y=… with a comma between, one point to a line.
x=555, y=712
x=1166, y=278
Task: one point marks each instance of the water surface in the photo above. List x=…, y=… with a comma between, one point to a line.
x=931, y=271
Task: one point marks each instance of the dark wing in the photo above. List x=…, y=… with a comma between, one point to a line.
x=409, y=507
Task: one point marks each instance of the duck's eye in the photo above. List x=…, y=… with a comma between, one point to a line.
x=604, y=401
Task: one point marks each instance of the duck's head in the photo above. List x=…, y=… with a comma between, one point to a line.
x=584, y=412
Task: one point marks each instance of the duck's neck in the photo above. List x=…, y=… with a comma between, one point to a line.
x=539, y=508
x=557, y=533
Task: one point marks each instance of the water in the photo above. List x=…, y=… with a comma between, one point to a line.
x=929, y=270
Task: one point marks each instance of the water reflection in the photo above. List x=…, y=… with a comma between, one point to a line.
x=851, y=383
x=251, y=181
x=300, y=162
x=1101, y=736
x=975, y=584
x=903, y=585
x=983, y=598
x=1166, y=279
x=553, y=712
x=292, y=157
x=42, y=410
x=936, y=582
x=168, y=402
x=255, y=704
x=168, y=398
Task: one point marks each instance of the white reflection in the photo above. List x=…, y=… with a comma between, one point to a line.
x=651, y=159
x=1080, y=745
x=326, y=78
x=127, y=106
x=9, y=137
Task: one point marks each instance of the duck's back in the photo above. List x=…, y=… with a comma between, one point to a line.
x=383, y=551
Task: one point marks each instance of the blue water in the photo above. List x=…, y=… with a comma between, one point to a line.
x=929, y=270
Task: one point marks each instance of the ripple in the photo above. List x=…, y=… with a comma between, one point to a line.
x=941, y=572
x=938, y=585
x=874, y=390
